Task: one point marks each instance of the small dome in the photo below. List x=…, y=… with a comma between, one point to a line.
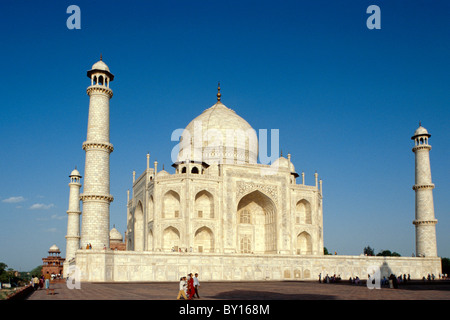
x=115, y=235
x=75, y=173
x=100, y=65
x=291, y=167
x=162, y=173
x=54, y=248
x=421, y=131
x=281, y=162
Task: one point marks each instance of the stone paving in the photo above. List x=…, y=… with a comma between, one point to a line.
x=273, y=290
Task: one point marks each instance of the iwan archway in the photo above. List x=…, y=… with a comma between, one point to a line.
x=256, y=224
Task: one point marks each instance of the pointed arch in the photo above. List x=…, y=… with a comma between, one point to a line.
x=150, y=240
x=150, y=209
x=303, y=212
x=258, y=228
x=204, y=240
x=171, y=238
x=139, y=227
x=204, y=205
x=171, y=205
x=304, y=243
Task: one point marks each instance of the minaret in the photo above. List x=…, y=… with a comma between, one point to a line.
x=73, y=218
x=96, y=198
x=425, y=222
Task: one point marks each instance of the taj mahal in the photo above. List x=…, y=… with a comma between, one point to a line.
x=221, y=214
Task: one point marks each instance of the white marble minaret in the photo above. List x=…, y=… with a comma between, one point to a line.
x=73, y=216
x=425, y=222
x=96, y=198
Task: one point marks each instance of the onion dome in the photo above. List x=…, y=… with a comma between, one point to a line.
x=218, y=135
x=75, y=173
x=54, y=248
x=115, y=235
x=101, y=67
x=420, y=131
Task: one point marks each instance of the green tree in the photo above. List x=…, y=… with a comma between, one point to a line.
x=5, y=275
x=445, y=265
x=325, y=251
x=388, y=253
x=36, y=271
x=3, y=267
x=369, y=251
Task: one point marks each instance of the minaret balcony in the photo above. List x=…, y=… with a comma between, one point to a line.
x=423, y=186
x=98, y=88
x=421, y=147
x=425, y=222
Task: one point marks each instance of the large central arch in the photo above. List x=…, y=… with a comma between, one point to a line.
x=256, y=224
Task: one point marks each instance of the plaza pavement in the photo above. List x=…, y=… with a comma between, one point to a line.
x=269, y=290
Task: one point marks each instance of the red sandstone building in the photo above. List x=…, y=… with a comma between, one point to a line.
x=53, y=264
x=116, y=240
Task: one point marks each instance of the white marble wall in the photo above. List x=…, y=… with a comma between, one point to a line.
x=119, y=266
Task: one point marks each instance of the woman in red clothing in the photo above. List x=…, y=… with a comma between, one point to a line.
x=191, y=289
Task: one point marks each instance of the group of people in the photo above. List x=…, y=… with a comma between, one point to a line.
x=39, y=283
x=329, y=279
x=189, y=287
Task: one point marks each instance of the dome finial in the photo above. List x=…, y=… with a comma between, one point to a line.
x=218, y=92
x=101, y=57
x=420, y=123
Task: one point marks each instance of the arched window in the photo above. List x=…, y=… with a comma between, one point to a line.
x=244, y=216
x=194, y=170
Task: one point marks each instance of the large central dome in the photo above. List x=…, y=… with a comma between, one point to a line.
x=218, y=135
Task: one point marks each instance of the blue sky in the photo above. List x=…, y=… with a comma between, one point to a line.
x=346, y=100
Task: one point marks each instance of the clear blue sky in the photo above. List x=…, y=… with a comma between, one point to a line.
x=346, y=100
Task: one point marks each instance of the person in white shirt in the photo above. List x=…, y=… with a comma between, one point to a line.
x=196, y=285
x=182, y=288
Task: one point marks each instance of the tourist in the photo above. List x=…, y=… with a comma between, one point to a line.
x=190, y=287
x=196, y=285
x=182, y=288
x=47, y=278
x=35, y=282
x=320, y=278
